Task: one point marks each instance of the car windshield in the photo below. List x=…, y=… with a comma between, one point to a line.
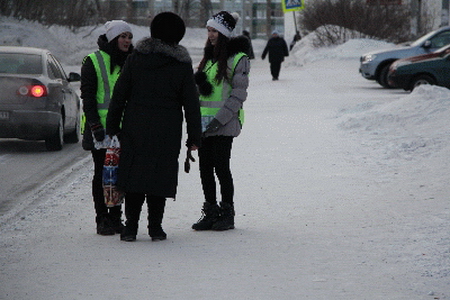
x=19, y=63
x=422, y=40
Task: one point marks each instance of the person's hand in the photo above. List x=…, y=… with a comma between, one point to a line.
x=98, y=131
x=213, y=126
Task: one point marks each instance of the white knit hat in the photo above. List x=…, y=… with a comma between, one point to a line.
x=224, y=22
x=115, y=28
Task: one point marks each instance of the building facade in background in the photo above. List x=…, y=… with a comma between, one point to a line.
x=259, y=17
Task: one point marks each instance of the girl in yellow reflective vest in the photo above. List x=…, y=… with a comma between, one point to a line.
x=99, y=73
x=222, y=81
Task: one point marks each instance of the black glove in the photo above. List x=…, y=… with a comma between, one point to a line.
x=98, y=131
x=204, y=87
x=213, y=126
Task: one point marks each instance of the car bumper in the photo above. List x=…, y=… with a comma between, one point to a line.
x=399, y=81
x=31, y=125
x=367, y=71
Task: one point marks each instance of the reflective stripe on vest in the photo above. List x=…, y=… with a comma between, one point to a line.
x=211, y=104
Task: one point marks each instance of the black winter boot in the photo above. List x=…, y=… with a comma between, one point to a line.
x=115, y=215
x=210, y=214
x=129, y=233
x=226, y=218
x=104, y=225
x=133, y=207
x=156, y=207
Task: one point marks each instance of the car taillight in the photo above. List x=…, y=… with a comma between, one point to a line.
x=35, y=90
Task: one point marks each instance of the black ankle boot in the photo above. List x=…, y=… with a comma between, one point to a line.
x=210, y=214
x=104, y=225
x=157, y=233
x=129, y=233
x=226, y=218
x=156, y=207
x=115, y=215
x=133, y=207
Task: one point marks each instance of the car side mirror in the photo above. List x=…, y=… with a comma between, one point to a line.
x=74, y=77
x=427, y=44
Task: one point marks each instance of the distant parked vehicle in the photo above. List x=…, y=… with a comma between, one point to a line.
x=423, y=69
x=375, y=65
x=37, y=101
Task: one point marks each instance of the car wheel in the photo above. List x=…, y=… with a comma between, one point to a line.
x=383, y=77
x=74, y=136
x=421, y=79
x=56, y=141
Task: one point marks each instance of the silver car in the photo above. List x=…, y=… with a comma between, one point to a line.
x=375, y=65
x=37, y=101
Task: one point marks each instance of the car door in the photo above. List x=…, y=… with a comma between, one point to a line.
x=443, y=71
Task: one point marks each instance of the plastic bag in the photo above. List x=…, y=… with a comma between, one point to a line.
x=113, y=196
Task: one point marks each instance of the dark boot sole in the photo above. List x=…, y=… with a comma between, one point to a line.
x=128, y=238
x=223, y=228
x=158, y=238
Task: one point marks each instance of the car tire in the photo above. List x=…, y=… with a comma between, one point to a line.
x=74, y=136
x=421, y=79
x=383, y=77
x=56, y=141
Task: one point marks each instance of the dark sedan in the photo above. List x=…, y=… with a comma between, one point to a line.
x=37, y=101
x=423, y=69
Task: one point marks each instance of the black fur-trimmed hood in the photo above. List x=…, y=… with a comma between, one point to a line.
x=151, y=45
x=238, y=44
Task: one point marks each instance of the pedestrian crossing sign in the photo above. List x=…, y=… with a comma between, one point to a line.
x=292, y=5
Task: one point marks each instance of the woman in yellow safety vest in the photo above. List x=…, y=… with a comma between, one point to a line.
x=99, y=74
x=222, y=80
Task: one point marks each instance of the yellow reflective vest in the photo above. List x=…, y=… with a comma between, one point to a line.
x=211, y=104
x=105, y=83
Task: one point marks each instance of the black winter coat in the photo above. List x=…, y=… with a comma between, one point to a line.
x=277, y=49
x=155, y=86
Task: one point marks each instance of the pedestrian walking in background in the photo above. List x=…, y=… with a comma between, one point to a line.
x=277, y=49
x=154, y=90
x=99, y=73
x=297, y=37
x=222, y=80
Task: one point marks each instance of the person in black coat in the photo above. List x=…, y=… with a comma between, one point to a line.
x=277, y=49
x=154, y=89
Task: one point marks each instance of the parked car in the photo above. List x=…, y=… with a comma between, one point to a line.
x=375, y=65
x=423, y=69
x=37, y=101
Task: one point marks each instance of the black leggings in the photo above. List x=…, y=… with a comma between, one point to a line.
x=214, y=156
x=275, y=68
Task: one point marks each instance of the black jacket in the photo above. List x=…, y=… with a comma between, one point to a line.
x=277, y=49
x=155, y=88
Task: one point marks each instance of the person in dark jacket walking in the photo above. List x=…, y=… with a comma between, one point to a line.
x=277, y=49
x=222, y=79
x=156, y=86
x=99, y=73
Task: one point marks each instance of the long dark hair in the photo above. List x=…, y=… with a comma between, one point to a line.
x=219, y=54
